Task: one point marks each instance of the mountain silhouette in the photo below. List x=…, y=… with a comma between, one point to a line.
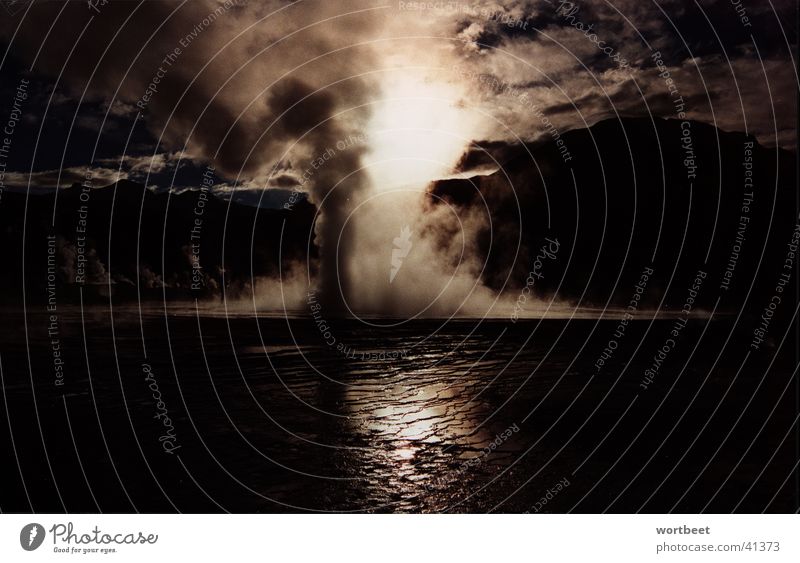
x=134, y=232
x=625, y=201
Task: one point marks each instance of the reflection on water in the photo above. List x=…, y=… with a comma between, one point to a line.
x=272, y=419
x=421, y=427
x=389, y=435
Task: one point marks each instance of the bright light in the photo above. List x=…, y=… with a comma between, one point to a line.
x=417, y=132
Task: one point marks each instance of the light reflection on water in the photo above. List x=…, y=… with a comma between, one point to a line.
x=410, y=423
x=419, y=427
x=309, y=429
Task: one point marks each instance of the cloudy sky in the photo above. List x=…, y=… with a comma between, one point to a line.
x=155, y=91
x=360, y=105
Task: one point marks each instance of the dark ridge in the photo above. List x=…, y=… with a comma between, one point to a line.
x=630, y=200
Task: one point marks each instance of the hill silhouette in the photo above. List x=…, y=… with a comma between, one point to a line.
x=626, y=201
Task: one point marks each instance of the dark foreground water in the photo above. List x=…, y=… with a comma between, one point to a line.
x=201, y=413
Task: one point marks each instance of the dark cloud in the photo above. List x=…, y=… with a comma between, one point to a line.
x=235, y=84
x=285, y=181
x=487, y=155
x=61, y=178
x=261, y=90
x=212, y=85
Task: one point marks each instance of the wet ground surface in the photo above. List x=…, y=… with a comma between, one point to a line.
x=268, y=415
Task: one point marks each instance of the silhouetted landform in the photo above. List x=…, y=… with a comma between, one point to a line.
x=132, y=232
x=637, y=200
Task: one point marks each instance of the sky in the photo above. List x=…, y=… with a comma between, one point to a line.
x=359, y=105
x=259, y=90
